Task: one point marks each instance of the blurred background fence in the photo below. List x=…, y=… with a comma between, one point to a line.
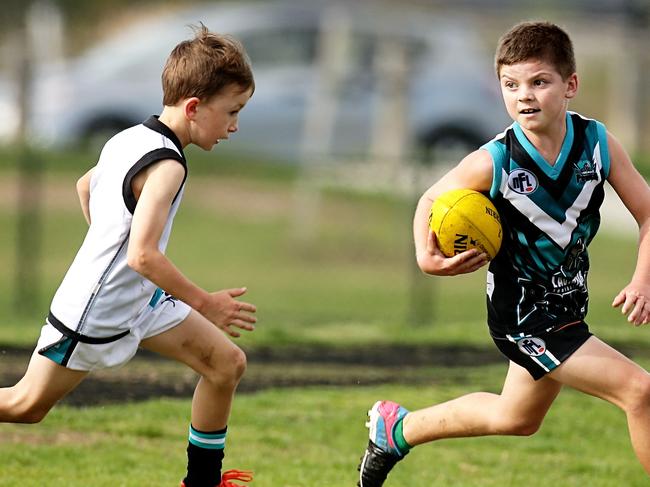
x=358, y=107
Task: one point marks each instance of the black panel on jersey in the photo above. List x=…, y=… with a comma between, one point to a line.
x=531, y=232
x=157, y=126
x=146, y=160
x=554, y=187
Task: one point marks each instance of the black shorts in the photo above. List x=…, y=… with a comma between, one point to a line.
x=541, y=353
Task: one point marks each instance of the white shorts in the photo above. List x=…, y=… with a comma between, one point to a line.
x=77, y=352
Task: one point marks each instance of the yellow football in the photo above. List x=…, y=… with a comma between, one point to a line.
x=464, y=219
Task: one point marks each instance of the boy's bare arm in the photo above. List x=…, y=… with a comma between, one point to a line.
x=473, y=172
x=635, y=194
x=83, y=191
x=157, y=193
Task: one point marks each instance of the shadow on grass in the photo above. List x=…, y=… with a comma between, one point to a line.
x=149, y=376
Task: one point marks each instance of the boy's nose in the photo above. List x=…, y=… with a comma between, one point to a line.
x=525, y=94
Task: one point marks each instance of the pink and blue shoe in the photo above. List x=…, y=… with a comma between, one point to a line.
x=382, y=453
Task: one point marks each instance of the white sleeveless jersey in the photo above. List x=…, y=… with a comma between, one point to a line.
x=100, y=294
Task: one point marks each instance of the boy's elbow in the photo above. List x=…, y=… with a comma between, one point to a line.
x=425, y=267
x=140, y=260
x=82, y=185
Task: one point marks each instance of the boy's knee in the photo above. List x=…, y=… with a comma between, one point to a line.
x=238, y=363
x=24, y=410
x=228, y=371
x=32, y=416
x=639, y=395
x=519, y=426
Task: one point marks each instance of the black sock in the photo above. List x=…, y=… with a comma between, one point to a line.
x=203, y=464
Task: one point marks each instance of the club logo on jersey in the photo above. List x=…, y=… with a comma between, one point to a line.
x=585, y=171
x=522, y=181
x=532, y=346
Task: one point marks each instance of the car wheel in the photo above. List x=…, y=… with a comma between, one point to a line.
x=99, y=130
x=447, y=146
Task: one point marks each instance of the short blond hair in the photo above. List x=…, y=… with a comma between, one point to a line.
x=204, y=66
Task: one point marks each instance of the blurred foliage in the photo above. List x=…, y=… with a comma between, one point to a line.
x=642, y=163
x=222, y=162
x=78, y=12
x=85, y=21
x=337, y=274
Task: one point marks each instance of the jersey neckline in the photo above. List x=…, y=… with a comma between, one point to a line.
x=156, y=125
x=551, y=171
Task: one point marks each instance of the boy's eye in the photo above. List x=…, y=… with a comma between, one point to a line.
x=540, y=82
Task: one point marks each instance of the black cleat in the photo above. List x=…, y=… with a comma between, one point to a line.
x=375, y=466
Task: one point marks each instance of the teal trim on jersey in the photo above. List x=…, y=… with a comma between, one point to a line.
x=604, y=147
x=554, y=170
x=155, y=298
x=556, y=211
x=57, y=352
x=497, y=152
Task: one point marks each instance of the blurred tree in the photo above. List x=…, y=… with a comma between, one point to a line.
x=29, y=205
x=82, y=18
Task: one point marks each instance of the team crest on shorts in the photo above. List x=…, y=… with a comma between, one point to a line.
x=532, y=346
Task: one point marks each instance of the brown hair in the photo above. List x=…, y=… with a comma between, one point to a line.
x=536, y=40
x=205, y=65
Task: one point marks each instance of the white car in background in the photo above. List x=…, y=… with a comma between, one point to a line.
x=452, y=94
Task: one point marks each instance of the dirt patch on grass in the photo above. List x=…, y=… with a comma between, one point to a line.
x=21, y=436
x=149, y=376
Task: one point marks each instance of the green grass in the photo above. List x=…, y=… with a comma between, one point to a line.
x=313, y=437
x=344, y=276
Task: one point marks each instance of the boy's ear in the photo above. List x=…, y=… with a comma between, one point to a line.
x=190, y=106
x=572, y=86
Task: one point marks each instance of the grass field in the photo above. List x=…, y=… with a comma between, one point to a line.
x=342, y=278
x=314, y=437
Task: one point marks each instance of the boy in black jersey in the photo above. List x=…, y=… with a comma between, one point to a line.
x=536, y=286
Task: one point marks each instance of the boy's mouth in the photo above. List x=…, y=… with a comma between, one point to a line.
x=528, y=111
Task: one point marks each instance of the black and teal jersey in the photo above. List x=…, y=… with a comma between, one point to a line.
x=550, y=214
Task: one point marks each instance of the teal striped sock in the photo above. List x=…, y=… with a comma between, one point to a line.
x=215, y=440
x=204, y=457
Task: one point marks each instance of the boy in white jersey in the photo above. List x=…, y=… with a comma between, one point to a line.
x=537, y=294
x=121, y=291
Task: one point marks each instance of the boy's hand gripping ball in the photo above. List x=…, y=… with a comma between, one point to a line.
x=464, y=219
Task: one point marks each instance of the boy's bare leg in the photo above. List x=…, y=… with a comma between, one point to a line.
x=44, y=383
x=599, y=370
x=206, y=349
x=518, y=410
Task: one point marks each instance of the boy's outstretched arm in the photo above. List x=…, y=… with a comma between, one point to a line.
x=473, y=172
x=155, y=189
x=83, y=191
x=635, y=194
